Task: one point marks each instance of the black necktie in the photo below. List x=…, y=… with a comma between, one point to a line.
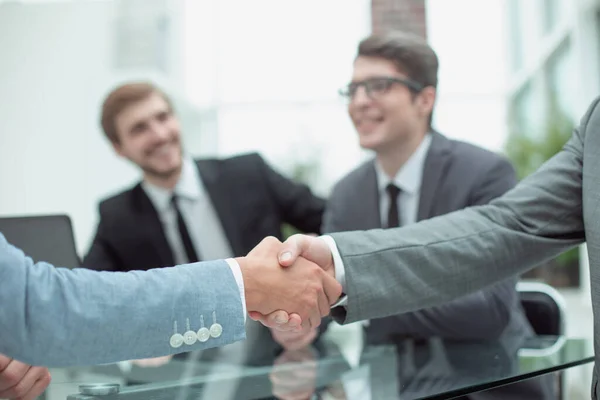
x=184, y=234
x=393, y=220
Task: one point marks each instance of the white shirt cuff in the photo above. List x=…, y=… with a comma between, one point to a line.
x=340, y=272
x=239, y=279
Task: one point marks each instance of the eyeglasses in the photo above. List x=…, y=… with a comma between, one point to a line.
x=375, y=87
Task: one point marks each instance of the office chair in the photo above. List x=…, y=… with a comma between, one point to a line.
x=43, y=238
x=545, y=309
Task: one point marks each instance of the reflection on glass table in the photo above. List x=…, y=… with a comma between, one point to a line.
x=416, y=369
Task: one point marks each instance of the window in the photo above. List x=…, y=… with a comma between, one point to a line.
x=140, y=34
x=550, y=12
x=561, y=79
x=516, y=35
x=528, y=110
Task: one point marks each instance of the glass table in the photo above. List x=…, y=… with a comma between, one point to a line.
x=411, y=369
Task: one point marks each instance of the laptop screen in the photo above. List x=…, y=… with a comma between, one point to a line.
x=43, y=238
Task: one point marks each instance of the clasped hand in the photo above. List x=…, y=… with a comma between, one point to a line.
x=289, y=285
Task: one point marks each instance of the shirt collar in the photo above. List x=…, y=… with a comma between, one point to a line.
x=188, y=186
x=408, y=178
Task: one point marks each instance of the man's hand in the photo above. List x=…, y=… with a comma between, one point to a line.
x=21, y=381
x=292, y=341
x=303, y=288
x=311, y=248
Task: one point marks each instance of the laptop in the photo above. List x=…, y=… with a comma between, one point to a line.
x=47, y=238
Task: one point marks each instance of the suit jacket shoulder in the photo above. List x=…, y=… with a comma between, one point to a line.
x=241, y=164
x=119, y=203
x=347, y=184
x=458, y=175
x=468, y=155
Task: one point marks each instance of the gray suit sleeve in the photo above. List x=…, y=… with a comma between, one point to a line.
x=480, y=315
x=60, y=317
x=437, y=260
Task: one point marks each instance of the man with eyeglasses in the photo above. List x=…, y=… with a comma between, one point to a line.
x=417, y=173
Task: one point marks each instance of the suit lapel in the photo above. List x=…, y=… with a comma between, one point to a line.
x=434, y=167
x=152, y=226
x=220, y=195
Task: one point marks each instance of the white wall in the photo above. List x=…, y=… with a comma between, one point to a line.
x=469, y=39
x=271, y=69
x=56, y=67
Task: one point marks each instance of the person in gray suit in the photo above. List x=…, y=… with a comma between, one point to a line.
x=417, y=173
x=434, y=261
x=60, y=317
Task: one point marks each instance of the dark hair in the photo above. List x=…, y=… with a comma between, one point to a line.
x=410, y=53
x=121, y=97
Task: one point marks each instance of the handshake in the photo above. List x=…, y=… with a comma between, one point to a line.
x=289, y=286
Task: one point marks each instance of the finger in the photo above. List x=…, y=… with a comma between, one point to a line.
x=279, y=317
x=332, y=288
x=39, y=387
x=24, y=384
x=4, y=361
x=255, y=315
x=290, y=322
x=314, y=318
x=12, y=374
x=324, y=307
x=278, y=320
x=295, y=322
x=263, y=319
x=152, y=362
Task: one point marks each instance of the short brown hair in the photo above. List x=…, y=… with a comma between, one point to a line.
x=410, y=53
x=121, y=97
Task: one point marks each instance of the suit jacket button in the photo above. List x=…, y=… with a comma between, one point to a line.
x=216, y=330
x=203, y=334
x=176, y=340
x=190, y=337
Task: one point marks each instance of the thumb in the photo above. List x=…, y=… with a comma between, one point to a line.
x=295, y=246
x=314, y=249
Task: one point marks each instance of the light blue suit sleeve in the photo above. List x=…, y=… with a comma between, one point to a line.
x=56, y=317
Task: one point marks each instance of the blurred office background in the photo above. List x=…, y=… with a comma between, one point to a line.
x=263, y=76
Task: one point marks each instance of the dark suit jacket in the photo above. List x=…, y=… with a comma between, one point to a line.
x=252, y=201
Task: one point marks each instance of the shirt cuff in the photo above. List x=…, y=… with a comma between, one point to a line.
x=342, y=302
x=340, y=272
x=239, y=279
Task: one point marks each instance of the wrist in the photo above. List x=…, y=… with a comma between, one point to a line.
x=251, y=292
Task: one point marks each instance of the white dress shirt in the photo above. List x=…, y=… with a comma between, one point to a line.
x=210, y=242
x=200, y=217
x=408, y=179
